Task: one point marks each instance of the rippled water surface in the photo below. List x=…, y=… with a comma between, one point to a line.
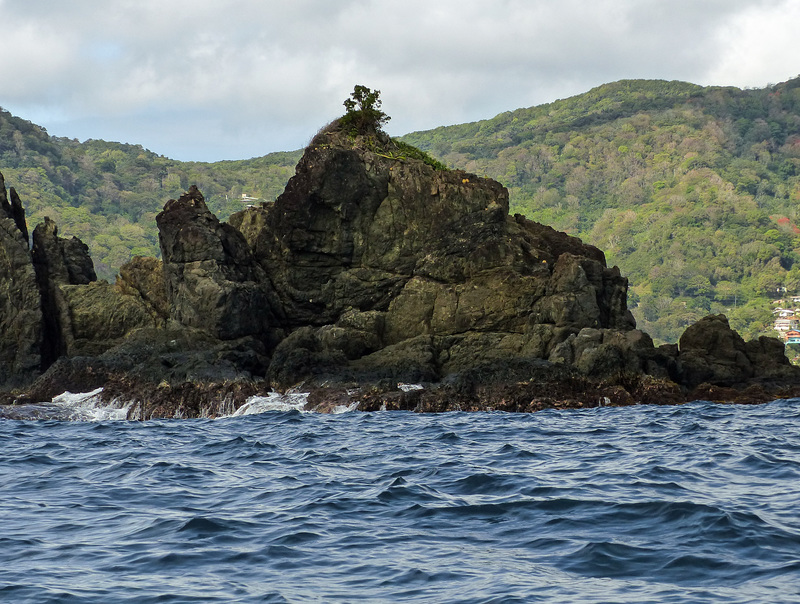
x=698, y=503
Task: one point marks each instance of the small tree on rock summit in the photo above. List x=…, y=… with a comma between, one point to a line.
x=363, y=111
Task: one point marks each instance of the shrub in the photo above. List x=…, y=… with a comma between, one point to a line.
x=363, y=111
x=409, y=151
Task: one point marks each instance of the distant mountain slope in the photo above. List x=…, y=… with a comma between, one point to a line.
x=692, y=191
x=109, y=193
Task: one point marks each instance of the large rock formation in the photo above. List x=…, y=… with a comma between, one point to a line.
x=372, y=268
x=375, y=254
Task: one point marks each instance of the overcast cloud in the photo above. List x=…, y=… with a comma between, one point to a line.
x=208, y=80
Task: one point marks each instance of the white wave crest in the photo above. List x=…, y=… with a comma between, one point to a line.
x=274, y=401
x=344, y=408
x=290, y=401
x=89, y=407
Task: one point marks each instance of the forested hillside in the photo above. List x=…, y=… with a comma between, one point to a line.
x=692, y=191
x=108, y=194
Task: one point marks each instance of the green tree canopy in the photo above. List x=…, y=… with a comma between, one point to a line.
x=363, y=110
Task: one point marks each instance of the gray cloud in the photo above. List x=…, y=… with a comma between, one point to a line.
x=207, y=80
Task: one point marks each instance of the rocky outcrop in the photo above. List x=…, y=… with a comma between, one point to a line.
x=57, y=262
x=11, y=207
x=371, y=270
x=368, y=250
x=713, y=353
x=20, y=311
x=81, y=316
x=212, y=281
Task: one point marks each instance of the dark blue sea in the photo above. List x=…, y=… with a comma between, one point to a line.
x=693, y=503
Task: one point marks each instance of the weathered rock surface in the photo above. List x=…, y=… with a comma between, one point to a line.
x=711, y=352
x=424, y=254
x=98, y=316
x=212, y=281
x=20, y=311
x=145, y=277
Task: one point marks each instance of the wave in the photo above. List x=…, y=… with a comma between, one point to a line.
x=289, y=401
x=91, y=407
x=72, y=406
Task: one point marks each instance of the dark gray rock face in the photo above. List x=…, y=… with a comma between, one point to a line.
x=57, y=262
x=424, y=253
x=81, y=316
x=212, y=281
x=20, y=311
x=712, y=352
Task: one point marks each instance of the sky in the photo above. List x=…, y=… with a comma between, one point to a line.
x=208, y=80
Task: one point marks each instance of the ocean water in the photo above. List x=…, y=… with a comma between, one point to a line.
x=694, y=503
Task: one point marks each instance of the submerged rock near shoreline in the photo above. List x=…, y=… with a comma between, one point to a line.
x=374, y=268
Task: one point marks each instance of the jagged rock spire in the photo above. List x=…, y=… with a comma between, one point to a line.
x=14, y=209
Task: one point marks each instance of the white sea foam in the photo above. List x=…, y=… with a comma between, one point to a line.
x=290, y=401
x=274, y=401
x=409, y=387
x=345, y=408
x=88, y=406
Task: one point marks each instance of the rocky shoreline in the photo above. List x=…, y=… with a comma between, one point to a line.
x=373, y=269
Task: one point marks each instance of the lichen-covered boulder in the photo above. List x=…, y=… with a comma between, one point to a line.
x=768, y=357
x=710, y=351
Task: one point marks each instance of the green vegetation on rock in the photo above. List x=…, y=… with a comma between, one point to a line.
x=362, y=125
x=409, y=151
